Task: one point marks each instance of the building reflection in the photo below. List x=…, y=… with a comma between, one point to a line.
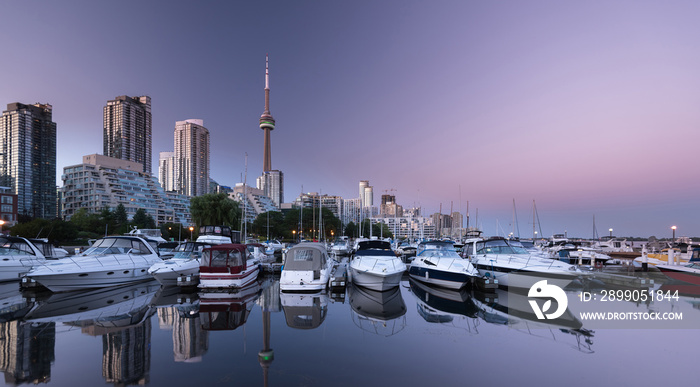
x=126, y=354
x=178, y=311
x=27, y=351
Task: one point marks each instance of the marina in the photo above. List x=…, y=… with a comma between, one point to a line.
x=148, y=334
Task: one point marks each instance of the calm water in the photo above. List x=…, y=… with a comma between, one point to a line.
x=413, y=336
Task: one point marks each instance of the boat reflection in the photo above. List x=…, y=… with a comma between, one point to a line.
x=381, y=313
x=227, y=310
x=445, y=306
x=513, y=310
x=120, y=315
x=304, y=310
x=13, y=304
x=179, y=311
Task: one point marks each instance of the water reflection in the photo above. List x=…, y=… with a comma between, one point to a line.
x=303, y=310
x=120, y=315
x=513, y=310
x=179, y=312
x=227, y=310
x=26, y=351
x=381, y=313
x=445, y=306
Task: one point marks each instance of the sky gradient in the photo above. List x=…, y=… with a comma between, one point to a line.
x=588, y=108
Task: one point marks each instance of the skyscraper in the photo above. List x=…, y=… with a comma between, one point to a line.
x=28, y=157
x=271, y=181
x=127, y=130
x=191, y=161
x=166, y=170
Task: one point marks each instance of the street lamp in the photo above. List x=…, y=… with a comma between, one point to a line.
x=674, y=233
x=610, y=232
x=1, y=223
x=191, y=231
x=535, y=236
x=294, y=235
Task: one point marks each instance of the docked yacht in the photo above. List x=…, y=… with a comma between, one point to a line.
x=307, y=267
x=227, y=266
x=687, y=272
x=17, y=257
x=183, y=265
x=375, y=266
x=110, y=261
x=183, y=268
x=341, y=247
x=437, y=263
x=513, y=266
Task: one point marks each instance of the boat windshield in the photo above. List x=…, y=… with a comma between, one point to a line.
x=435, y=245
x=14, y=246
x=498, y=246
x=118, y=246
x=440, y=253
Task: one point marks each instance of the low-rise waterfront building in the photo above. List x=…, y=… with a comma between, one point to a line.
x=105, y=182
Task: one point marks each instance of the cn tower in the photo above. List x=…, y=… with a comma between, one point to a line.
x=267, y=123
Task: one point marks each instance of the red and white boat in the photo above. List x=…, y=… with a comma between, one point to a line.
x=227, y=266
x=686, y=272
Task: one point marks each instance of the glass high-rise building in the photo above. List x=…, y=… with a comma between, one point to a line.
x=28, y=158
x=191, y=158
x=127, y=130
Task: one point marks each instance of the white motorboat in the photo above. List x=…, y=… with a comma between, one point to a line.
x=227, y=266
x=307, y=267
x=17, y=257
x=341, y=247
x=438, y=263
x=110, y=261
x=184, y=265
x=375, y=266
x=261, y=252
x=513, y=266
x=578, y=254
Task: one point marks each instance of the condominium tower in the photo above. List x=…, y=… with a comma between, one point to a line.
x=191, y=158
x=127, y=130
x=28, y=158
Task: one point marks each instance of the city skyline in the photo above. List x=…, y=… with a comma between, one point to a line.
x=585, y=108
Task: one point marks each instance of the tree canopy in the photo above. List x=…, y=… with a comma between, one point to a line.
x=215, y=209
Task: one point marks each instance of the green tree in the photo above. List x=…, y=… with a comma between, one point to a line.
x=276, y=223
x=378, y=229
x=173, y=230
x=85, y=221
x=120, y=217
x=142, y=219
x=351, y=230
x=215, y=209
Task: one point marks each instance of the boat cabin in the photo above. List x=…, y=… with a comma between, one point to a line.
x=307, y=257
x=213, y=233
x=227, y=258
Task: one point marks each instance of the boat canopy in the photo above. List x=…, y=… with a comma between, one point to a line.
x=119, y=245
x=14, y=246
x=224, y=231
x=226, y=258
x=306, y=257
x=381, y=248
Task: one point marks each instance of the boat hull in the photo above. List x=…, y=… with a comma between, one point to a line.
x=374, y=280
x=167, y=272
x=524, y=278
x=229, y=280
x=442, y=278
x=681, y=273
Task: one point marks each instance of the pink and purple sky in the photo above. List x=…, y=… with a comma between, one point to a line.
x=588, y=108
